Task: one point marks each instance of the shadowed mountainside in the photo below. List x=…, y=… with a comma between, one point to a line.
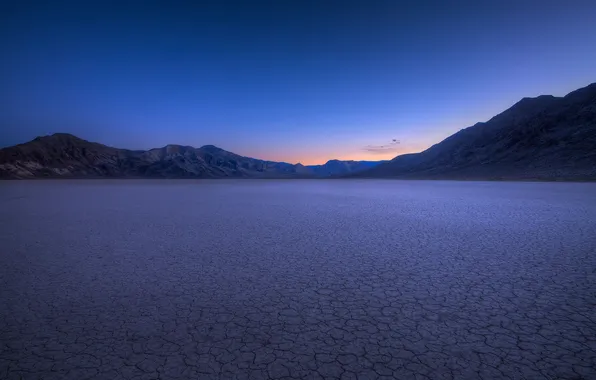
x=544, y=138
x=65, y=155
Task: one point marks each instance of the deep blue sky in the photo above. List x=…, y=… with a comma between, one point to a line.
x=300, y=80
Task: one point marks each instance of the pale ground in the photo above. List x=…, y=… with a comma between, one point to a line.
x=297, y=279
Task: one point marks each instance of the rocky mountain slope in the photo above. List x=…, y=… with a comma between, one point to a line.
x=65, y=155
x=546, y=138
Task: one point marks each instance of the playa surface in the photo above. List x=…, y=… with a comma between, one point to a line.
x=313, y=279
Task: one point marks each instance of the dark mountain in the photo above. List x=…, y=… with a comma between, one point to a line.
x=545, y=138
x=337, y=168
x=65, y=155
x=174, y=161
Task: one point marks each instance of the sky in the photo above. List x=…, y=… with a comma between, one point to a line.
x=285, y=80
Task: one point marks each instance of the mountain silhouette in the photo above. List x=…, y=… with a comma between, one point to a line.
x=64, y=155
x=546, y=138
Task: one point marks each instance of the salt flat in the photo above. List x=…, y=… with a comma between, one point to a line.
x=310, y=279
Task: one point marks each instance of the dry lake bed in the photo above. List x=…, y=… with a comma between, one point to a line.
x=297, y=279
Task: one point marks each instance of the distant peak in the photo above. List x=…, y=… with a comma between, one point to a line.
x=528, y=99
x=59, y=134
x=211, y=148
x=589, y=91
x=528, y=106
x=62, y=136
x=534, y=101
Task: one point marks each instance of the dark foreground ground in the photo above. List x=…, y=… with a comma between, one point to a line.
x=297, y=279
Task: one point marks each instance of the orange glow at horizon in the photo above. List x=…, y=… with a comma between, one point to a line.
x=321, y=157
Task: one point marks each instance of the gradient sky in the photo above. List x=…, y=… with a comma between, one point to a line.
x=296, y=81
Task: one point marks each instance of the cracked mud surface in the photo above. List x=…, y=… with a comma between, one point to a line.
x=297, y=279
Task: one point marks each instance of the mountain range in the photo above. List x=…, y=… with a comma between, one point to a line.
x=65, y=155
x=545, y=138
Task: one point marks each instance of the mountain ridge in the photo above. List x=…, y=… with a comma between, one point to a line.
x=544, y=138
x=66, y=155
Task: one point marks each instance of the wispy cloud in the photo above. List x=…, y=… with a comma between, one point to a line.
x=390, y=147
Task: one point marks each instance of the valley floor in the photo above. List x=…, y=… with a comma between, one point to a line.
x=321, y=279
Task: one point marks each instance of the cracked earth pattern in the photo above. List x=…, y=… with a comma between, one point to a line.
x=297, y=280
